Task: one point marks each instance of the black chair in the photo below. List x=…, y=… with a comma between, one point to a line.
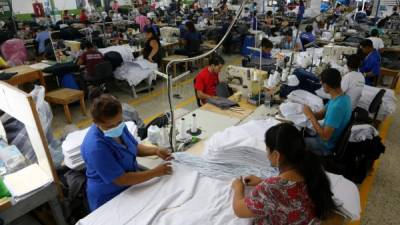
x=362, y=116
x=195, y=93
x=102, y=72
x=376, y=103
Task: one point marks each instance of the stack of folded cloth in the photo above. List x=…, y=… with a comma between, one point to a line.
x=293, y=112
x=306, y=98
x=388, y=102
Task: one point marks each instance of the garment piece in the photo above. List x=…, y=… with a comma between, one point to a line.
x=222, y=103
x=352, y=85
x=388, y=101
x=106, y=160
x=293, y=112
x=136, y=71
x=337, y=116
x=206, y=82
x=377, y=42
x=306, y=98
x=124, y=51
x=90, y=59
x=371, y=63
x=291, y=206
x=362, y=132
x=41, y=37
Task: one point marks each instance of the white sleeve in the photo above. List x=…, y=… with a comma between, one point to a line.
x=381, y=45
x=345, y=83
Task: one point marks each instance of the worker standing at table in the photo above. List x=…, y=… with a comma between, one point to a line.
x=371, y=65
x=152, y=47
x=109, y=151
x=207, y=80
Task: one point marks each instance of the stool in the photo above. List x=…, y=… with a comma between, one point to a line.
x=168, y=59
x=65, y=96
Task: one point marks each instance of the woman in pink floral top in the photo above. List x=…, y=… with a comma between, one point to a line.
x=301, y=193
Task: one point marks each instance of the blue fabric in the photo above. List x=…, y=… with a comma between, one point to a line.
x=249, y=41
x=306, y=38
x=264, y=55
x=182, y=30
x=316, y=145
x=324, y=7
x=41, y=38
x=106, y=160
x=371, y=63
x=68, y=81
x=337, y=116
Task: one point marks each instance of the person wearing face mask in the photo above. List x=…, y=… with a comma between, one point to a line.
x=207, y=80
x=109, y=152
x=299, y=194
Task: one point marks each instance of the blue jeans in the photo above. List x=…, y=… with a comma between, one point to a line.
x=317, y=146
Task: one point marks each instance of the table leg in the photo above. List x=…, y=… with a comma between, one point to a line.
x=83, y=105
x=67, y=113
x=57, y=212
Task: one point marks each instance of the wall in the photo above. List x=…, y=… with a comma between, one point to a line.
x=25, y=6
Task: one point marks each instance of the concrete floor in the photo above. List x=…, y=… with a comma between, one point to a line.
x=383, y=197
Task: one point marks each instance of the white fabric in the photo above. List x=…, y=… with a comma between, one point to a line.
x=377, y=42
x=388, y=102
x=293, y=112
x=136, y=71
x=346, y=195
x=306, y=98
x=185, y=197
x=124, y=51
x=362, y=132
x=71, y=146
x=352, y=85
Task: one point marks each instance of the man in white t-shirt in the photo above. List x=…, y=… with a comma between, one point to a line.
x=353, y=82
x=376, y=40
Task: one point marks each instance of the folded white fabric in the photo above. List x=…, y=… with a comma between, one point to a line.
x=388, y=101
x=362, y=132
x=124, y=51
x=135, y=72
x=306, y=98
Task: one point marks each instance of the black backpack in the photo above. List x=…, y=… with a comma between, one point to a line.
x=114, y=58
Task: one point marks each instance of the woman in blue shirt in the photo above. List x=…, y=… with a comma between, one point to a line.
x=110, y=152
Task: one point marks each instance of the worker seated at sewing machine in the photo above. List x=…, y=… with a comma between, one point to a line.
x=207, y=80
x=288, y=41
x=371, y=65
x=307, y=37
x=336, y=115
x=109, y=151
x=300, y=177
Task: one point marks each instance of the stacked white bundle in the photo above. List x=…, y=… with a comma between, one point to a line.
x=169, y=34
x=124, y=51
x=306, y=98
x=388, y=102
x=71, y=146
x=240, y=145
x=137, y=71
x=293, y=112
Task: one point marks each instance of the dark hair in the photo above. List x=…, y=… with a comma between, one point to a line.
x=150, y=29
x=354, y=61
x=307, y=164
x=288, y=32
x=190, y=26
x=331, y=77
x=374, y=33
x=266, y=43
x=105, y=107
x=88, y=44
x=309, y=28
x=366, y=43
x=216, y=60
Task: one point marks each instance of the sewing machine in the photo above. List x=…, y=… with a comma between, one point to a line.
x=249, y=79
x=169, y=34
x=336, y=52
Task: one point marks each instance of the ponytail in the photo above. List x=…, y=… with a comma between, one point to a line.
x=288, y=141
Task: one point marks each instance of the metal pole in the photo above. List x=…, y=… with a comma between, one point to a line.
x=12, y=16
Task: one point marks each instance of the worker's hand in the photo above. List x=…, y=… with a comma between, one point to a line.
x=238, y=184
x=163, y=169
x=252, y=180
x=164, y=154
x=308, y=112
x=150, y=60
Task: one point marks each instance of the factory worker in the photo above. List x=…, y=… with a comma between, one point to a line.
x=109, y=151
x=299, y=194
x=353, y=82
x=307, y=36
x=207, y=80
x=288, y=41
x=336, y=115
x=266, y=48
x=371, y=65
x=377, y=42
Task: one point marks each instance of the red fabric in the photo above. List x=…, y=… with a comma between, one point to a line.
x=277, y=201
x=38, y=9
x=206, y=82
x=14, y=51
x=90, y=59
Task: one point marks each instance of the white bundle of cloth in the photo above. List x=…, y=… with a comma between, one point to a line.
x=362, y=132
x=71, y=146
x=388, y=102
x=306, y=98
x=249, y=135
x=136, y=71
x=124, y=51
x=185, y=197
x=293, y=112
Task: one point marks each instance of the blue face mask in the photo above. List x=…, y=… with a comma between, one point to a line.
x=116, y=131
